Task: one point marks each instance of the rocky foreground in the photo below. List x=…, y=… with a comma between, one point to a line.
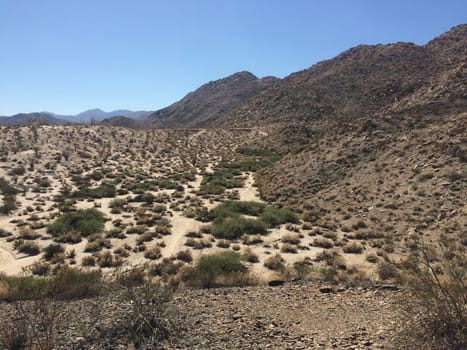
x=291, y=316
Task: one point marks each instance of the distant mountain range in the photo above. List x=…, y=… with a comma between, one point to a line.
x=91, y=115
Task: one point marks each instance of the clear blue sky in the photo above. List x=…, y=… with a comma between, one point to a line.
x=66, y=56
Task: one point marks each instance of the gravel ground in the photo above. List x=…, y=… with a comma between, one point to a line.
x=291, y=316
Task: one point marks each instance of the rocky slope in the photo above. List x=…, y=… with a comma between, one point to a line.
x=364, y=81
x=210, y=102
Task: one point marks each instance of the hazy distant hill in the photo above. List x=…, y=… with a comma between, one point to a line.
x=31, y=118
x=99, y=115
x=121, y=121
x=209, y=103
x=85, y=117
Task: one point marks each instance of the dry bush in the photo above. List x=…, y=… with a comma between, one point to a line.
x=289, y=248
x=275, y=263
x=323, y=243
x=185, y=255
x=433, y=307
x=146, y=322
x=250, y=256
x=353, y=248
x=31, y=325
x=154, y=253
x=291, y=238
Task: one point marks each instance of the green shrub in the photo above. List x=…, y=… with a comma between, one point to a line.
x=231, y=208
x=24, y=287
x=210, y=267
x=104, y=190
x=85, y=222
x=273, y=216
x=234, y=228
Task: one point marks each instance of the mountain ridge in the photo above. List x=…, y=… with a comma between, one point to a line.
x=205, y=105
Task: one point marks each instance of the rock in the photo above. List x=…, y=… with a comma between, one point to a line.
x=275, y=283
x=326, y=289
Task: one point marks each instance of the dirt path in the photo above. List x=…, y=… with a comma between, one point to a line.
x=248, y=192
x=180, y=226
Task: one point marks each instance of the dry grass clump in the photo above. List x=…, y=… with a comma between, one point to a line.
x=154, y=253
x=289, y=248
x=250, y=256
x=323, y=243
x=29, y=248
x=185, y=255
x=353, y=248
x=275, y=263
x=291, y=238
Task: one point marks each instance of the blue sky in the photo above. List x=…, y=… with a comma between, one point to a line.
x=67, y=56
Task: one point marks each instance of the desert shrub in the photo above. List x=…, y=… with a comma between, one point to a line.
x=72, y=237
x=52, y=250
x=185, y=255
x=88, y=261
x=234, y=228
x=146, y=197
x=291, y=238
x=353, y=248
x=40, y=268
x=18, y=171
x=250, y=256
x=230, y=208
x=166, y=268
x=118, y=203
x=219, y=181
x=4, y=233
x=29, y=248
x=302, y=268
x=386, y=271
x=223, y=243
x=323, y=243
x=133, y=277
x=106, y=259
x=85, y=222
x=210, y=268
x=104, y=190
x=273, y=216
x=288, y=248
x=96, y=243
x=275, y=263
x=153, y=253
x=28, y=234
x=433, y=307
x=23, y=287
x=73, y=283
x=146, y=322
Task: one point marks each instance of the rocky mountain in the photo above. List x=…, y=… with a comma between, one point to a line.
x=364, y=81
x=209, y=103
